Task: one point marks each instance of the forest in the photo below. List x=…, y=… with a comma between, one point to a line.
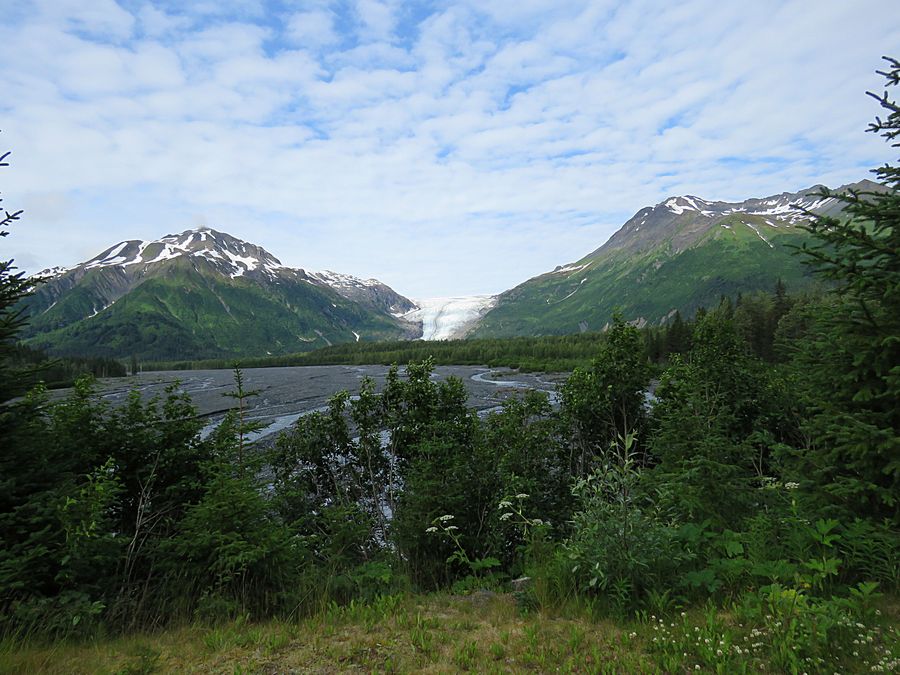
x=756, y=317
x=758, y=485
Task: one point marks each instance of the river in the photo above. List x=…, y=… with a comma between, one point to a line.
x=285, y=394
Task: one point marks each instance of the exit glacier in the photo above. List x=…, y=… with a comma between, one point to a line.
x=449, y=318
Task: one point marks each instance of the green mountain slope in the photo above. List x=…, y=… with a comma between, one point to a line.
x=682, y=254
x=215, y=298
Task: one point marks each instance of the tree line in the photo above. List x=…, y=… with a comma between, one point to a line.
x=757, y=315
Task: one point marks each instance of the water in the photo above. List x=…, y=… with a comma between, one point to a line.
x=286, y=394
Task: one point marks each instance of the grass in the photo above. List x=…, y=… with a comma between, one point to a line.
x=483, y=632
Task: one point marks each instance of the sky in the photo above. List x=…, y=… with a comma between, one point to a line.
x=445, y=148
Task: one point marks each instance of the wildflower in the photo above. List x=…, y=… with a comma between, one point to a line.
x=791, y=486
x=445, y=518
x=505, y=504
x=451, y=527
x=506, y=516
x=521, y=495
x=431, y=529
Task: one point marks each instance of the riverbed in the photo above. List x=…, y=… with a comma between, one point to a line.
x=285, y=394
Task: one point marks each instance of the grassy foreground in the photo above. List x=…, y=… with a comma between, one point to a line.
x=483, y=632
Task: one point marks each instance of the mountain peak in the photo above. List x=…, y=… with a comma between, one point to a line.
x=679, y=205
x=185, y=283
x=682, y=220
x=234, y=256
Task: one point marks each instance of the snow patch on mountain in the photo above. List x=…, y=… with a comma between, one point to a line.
x=337, y=280
x=52, y=272
x=675, y=207
x=449, y=318
x=235, y=256
x=573, y=268
x=759, y=234
x=242, y=263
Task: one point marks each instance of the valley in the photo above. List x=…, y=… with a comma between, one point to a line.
x=286, y=394
x=204, y=294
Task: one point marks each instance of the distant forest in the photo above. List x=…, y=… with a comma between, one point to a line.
x=757, y=317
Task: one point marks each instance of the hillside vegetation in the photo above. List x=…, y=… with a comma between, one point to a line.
x=742, y=518
x=683, y=254
x=203, y=294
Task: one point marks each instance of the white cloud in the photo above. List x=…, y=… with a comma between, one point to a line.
x=98, y=18
x=376, y=19
x=311, y=29
x=157, y=23
x=475, y=146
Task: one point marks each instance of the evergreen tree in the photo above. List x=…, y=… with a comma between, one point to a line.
x=850, y=359
x=678, y=336
x=13, y=288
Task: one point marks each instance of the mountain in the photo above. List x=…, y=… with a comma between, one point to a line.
x=369, y=292
x=205, y=294
x=682, y=254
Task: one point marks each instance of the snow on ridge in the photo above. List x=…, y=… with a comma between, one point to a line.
x=139, y=256
x=679, y=205
x=338, y=280
x=52, y=272
x=167, y=253
x=110, y=258
x=237, y=257
x=573, y=267
x=203, y=242
x=676, y=208
x=693, y=202
x=241, y=263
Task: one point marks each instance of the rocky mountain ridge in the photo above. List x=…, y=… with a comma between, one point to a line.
x=683, y=253
x=179, y=284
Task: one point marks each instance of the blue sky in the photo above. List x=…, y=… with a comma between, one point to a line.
x=443, y=147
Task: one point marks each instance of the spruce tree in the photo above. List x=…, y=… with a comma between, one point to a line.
x=13, y=288
x=850, y=361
